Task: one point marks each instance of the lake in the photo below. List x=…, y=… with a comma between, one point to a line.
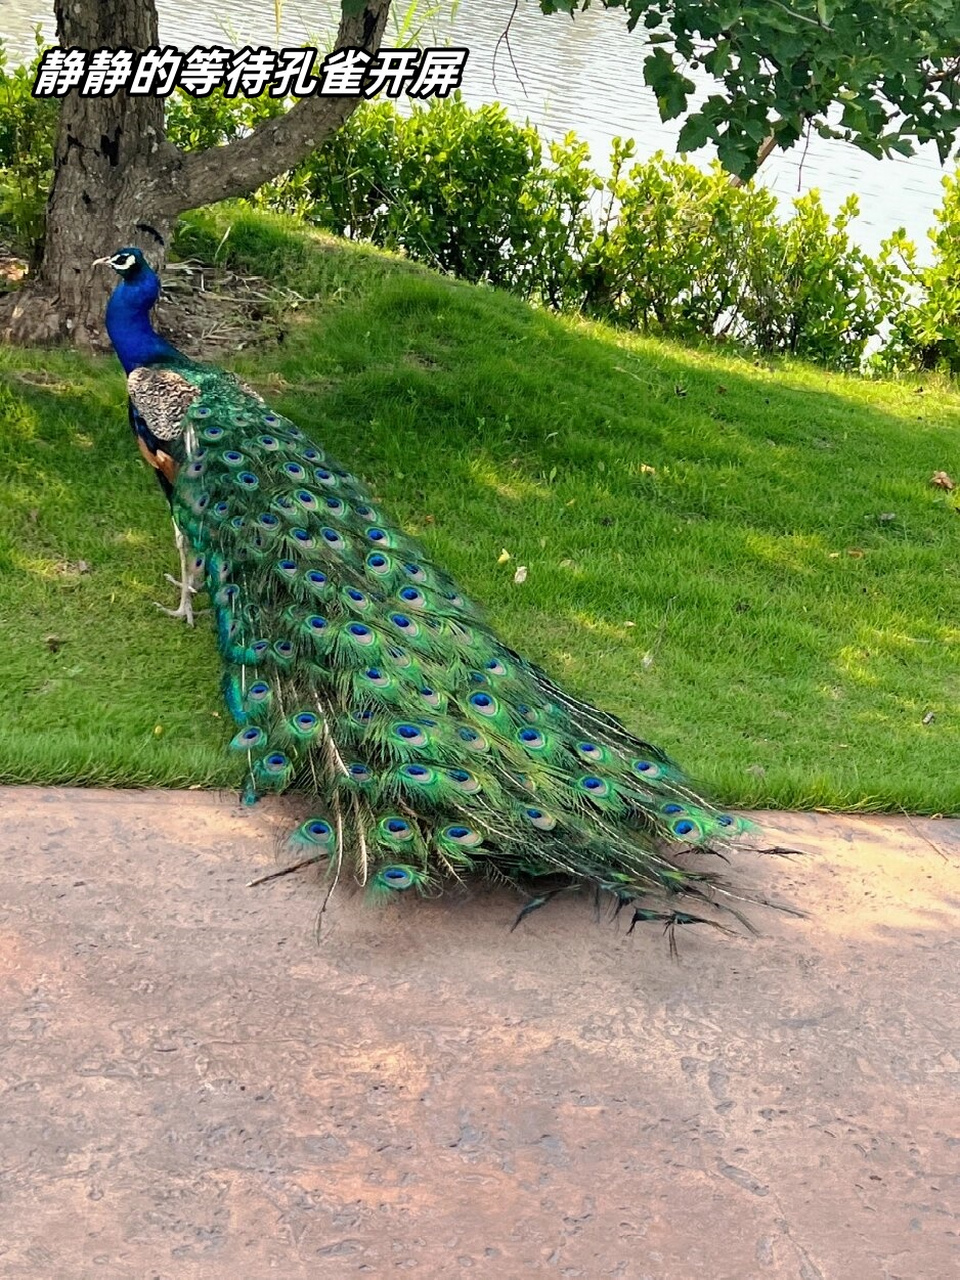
x=584, y=75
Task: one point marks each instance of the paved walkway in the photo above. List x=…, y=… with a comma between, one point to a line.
x=191, y=1088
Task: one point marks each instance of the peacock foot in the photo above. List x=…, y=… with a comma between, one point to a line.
x=185, y=608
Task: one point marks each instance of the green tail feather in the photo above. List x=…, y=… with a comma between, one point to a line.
x=357, y=671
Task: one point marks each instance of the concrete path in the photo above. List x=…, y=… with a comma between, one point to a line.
x=191, y=1087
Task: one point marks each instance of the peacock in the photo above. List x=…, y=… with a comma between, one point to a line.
x=360, y=677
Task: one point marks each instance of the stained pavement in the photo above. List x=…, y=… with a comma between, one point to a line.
x=191, y=1086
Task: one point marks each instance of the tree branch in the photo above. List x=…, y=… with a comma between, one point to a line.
x=945, y=76
x=802, y=17
x=765, y=148
x=239, y=167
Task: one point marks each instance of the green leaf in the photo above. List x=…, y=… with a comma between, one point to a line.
x=756, y=129
x=718, y=59
x=658, y=71
x=735, y=155
x=672, y=89
x=696, y=132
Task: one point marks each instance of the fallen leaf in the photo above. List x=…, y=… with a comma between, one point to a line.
x=157, y=730
x=70, y=568
x=855, y=554
x=629, y=624
x=942, y=480
x=647, y=471
x=53, y=643
x=646, y=661
x=521, y=574
x=503, y=557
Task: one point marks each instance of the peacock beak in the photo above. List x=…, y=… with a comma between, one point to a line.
x=100, y=262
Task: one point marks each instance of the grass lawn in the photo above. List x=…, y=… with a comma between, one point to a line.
x=746, y=562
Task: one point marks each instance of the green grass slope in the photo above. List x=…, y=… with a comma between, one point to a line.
x=747, y=563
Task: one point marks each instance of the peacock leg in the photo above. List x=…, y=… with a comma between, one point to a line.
x=185, y=582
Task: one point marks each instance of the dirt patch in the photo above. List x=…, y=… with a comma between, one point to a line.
x=207, y=311
x=13, y=268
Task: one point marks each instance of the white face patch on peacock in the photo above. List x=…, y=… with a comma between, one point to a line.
x=123, y=262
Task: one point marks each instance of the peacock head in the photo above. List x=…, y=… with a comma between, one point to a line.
x=127, y=263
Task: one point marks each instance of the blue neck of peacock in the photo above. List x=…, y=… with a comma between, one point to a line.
x=134, y=338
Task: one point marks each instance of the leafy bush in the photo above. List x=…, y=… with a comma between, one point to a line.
x=27, y=127
x=815, y=294
x=559, y=200
x=674, y=245
x=197, y=123
x=670, y=249
x=444, y=185
x=925, y=333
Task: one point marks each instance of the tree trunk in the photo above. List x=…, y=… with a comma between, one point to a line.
x=118, y=181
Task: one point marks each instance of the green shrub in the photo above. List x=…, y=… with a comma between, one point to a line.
x=27, y=128
x=558, y=200
x=925, y=333
x=673, y=245
x=197, y=123
x=670, y=249
x=444, y=185
x=816, y=294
